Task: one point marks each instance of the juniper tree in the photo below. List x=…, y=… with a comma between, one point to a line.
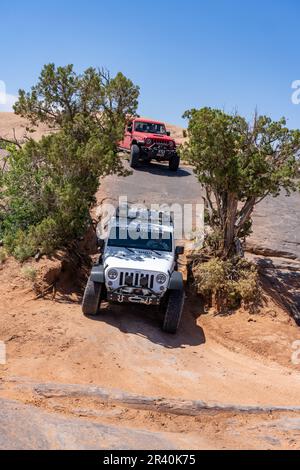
x=239, y=164
x=49, y=186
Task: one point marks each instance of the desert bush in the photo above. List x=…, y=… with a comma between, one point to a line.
x=18, y=245
x=212, y=239
x=228, y=283
x=29, y=273
x=209, y=277
x=247, y=286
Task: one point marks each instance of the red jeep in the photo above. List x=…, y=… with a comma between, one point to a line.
x=149, y=140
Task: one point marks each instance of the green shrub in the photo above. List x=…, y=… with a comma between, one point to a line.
x=247, y=286
x=49, y=189
x=232, y=283
x=210, y=276
x=18, y=245
x=29, y=273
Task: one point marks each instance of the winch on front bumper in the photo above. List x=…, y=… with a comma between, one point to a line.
x=158, y=152
x=133, y=298
x=126, y=294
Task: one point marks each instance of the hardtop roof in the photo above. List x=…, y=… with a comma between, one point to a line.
x=150, y=121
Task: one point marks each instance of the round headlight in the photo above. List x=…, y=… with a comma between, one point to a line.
x=148, y=141
x=113, y=274
x=161, y=279
x=171, y=144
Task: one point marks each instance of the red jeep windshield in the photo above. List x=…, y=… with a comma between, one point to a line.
x=150, y=127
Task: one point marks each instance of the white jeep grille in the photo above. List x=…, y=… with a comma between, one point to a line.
x=136, y=279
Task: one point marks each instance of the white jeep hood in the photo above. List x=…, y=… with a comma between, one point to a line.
x=139, y=260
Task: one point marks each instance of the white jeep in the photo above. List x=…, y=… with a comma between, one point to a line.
x=138, y=265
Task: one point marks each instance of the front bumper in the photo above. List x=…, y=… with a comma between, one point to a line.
x=121, y=298
x=157, y=152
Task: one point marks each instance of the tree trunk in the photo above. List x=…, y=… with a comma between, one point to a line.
x=229, y=226
x=245, y=214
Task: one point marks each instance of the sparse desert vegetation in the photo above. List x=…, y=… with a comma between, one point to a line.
x=149, y=259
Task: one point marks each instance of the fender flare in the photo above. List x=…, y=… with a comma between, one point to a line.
x=97, y=274
x=176, y=281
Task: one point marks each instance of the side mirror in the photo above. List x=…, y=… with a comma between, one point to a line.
x=129, y=129
x=168, y=133
x=179, y=250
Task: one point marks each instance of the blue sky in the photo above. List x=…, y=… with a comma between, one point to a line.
x=230, y=54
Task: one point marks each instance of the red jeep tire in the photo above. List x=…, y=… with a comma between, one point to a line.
x=174, y=162
x=134, y=156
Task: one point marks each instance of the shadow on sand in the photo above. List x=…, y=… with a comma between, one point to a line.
x=162, y=170
x=146, y=322
x=283, y=286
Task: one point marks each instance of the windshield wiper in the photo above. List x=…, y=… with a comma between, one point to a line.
x=148, y=249
x=156, y=252
x=129, y=249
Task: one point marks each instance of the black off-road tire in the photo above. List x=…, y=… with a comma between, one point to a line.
x=174, y=311
x=174, y=163
x=92, y=298
x=134, y=156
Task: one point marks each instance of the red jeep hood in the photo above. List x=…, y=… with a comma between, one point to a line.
x=144, y=135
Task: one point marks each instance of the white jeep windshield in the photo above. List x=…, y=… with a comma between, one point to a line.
x=150, y=128
x=121, y=237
